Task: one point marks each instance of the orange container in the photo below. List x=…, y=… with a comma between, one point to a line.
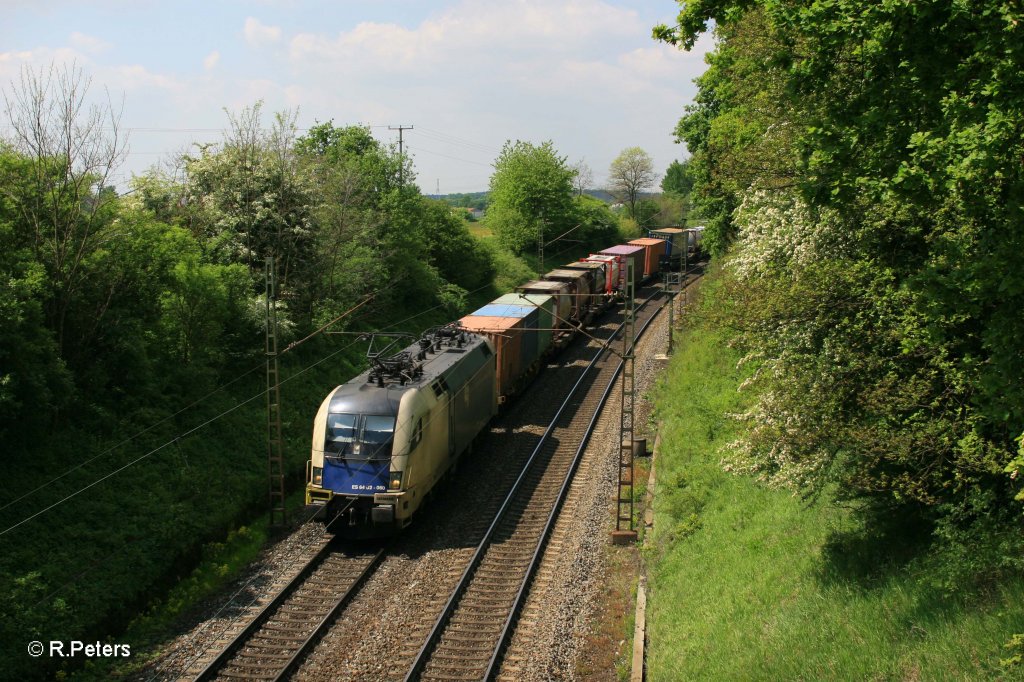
x=653, y=250
x=505, y=334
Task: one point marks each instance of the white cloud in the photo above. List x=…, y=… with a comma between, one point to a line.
x=473, y=35
x=583, y=73
x=89, y=43
x=260, y=35
x=40, y=60
x=134, y=76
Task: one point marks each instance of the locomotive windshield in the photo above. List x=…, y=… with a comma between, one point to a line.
x=359, y=436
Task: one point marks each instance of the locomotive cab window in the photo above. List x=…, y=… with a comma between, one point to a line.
x=358, y=436
x=377, y=434
x=341, y=433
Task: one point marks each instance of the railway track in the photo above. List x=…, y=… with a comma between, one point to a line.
x=478, y=619
x=467, y=640
x=277, y=640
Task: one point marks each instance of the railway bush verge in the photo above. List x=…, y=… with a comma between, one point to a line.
x=750, y=582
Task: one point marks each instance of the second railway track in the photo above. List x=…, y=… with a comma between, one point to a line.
x=468, y=638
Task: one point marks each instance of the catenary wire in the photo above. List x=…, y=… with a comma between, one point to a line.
x=211, y=420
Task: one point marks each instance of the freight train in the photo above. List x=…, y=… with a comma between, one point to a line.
x=384, y=439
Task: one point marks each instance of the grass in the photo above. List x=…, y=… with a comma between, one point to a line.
x=753, y=583
x=480, y=230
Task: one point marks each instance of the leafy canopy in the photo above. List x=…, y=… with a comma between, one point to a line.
x=531, y=191
x=864, y=161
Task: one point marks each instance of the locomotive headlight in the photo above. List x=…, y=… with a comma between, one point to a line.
x=318, y=475
x=395, y=482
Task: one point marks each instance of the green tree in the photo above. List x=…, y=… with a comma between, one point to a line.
x=742, y=126
x=370, y=219
x=32, y=373
x=598, y=226
x=677, y=181
x=60, y=191
x=201, y=303
x=257, y=199
x=531, y=191
x=459, y=258
x=876, y=177
x=630, y=174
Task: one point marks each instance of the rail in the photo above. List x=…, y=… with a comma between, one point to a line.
x=426, y=651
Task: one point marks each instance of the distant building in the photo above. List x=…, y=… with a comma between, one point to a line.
x=471, y=214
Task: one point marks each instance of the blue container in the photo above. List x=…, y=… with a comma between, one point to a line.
x=545, y=306
x=530, y=315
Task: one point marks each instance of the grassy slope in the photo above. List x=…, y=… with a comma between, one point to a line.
x=745, y=587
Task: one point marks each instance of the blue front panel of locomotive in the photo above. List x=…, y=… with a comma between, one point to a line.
x=351, y=477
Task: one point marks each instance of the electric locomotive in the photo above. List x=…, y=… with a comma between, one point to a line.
x=384, y=439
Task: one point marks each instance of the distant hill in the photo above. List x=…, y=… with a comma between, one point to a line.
x=477, y=200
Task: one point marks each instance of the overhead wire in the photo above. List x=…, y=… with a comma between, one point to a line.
x=132, y=437
x=176, y=438
x=452, y=139
x=206, y=423
x=132, y=463
x=412, y=147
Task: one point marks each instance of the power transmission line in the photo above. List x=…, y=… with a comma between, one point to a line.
x=131, y=438
x=453, y=158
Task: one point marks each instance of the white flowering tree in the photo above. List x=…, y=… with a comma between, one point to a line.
x=785, y=255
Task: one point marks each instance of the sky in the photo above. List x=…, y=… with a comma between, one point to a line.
x=465, y=75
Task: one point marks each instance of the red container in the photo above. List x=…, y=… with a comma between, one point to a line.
x=630, y=252
x=613, y=265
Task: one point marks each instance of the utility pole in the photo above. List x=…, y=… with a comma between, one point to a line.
x=672, y=284
x=400, y=128
x=540, y=243
x=686, y=252
x=275, y=458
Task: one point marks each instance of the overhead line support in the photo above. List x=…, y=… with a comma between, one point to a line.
x=275, y=455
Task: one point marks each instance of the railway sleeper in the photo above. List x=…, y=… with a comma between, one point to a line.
x=280, y=655
x=482, y=620
x=479, y=621
x=494, y=600
x=264, y=646
x=282, y=637
x=468, y=672
x=474, y=635
x=262, y=673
